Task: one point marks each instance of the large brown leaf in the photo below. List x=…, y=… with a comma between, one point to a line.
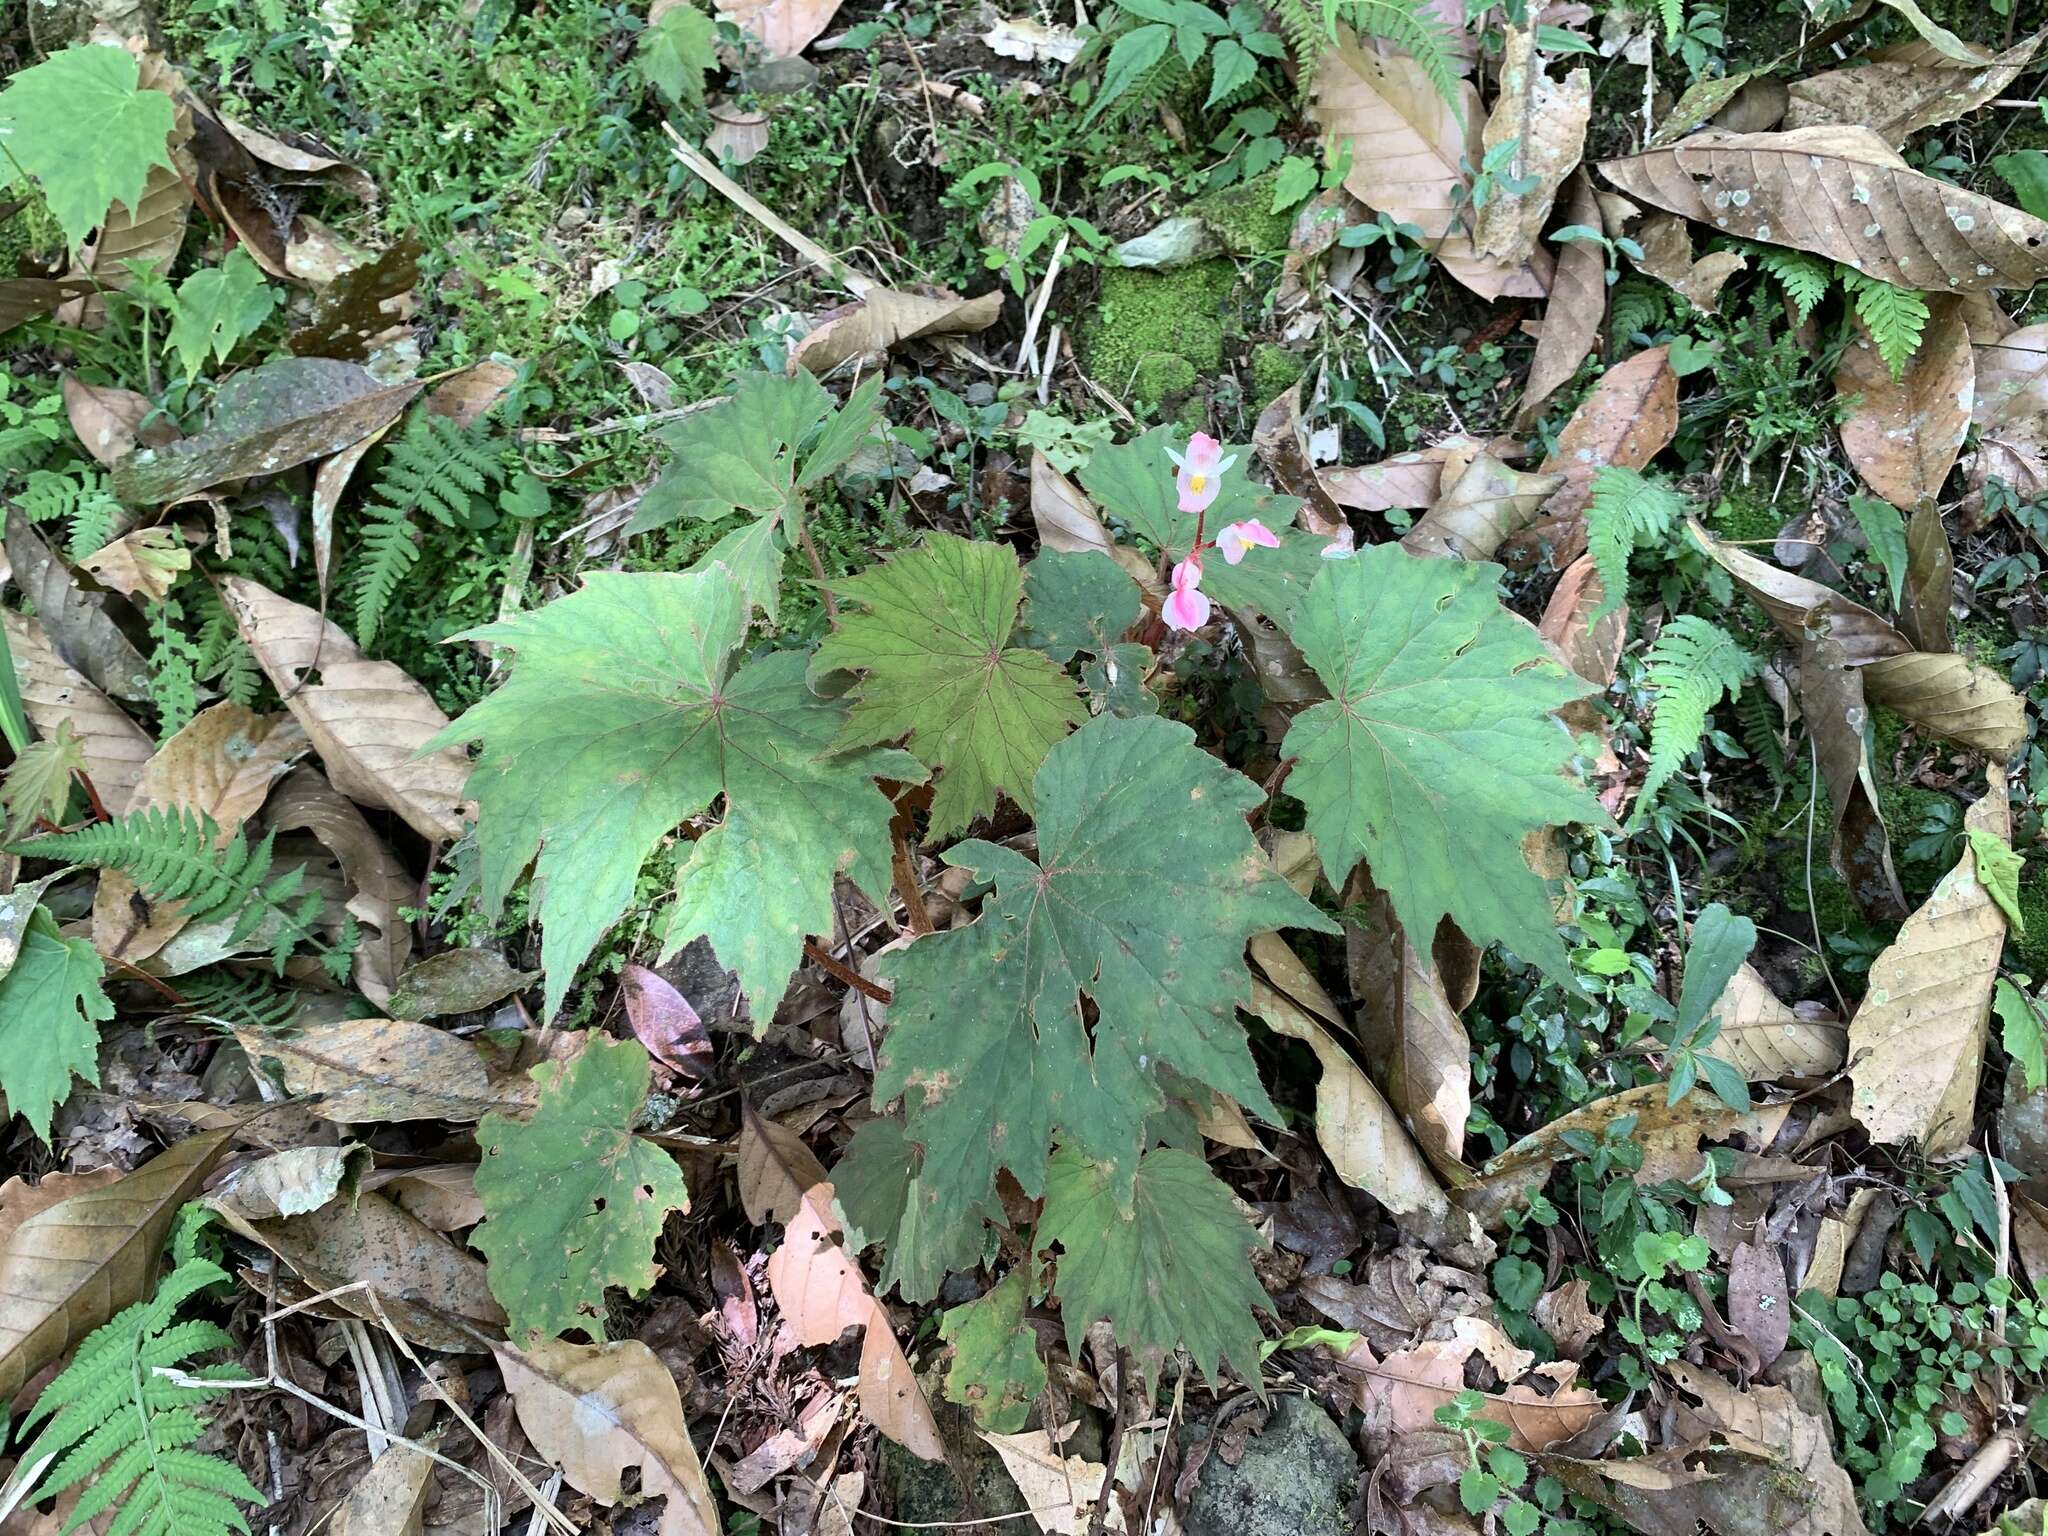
x=52, y=693
x=1796, y=604
x=1577, y=307
x=885, y=318
x=784, y=28
x=1478, y=511
x=1629, y=417
x=22, y=299
x=1545, y=120
x=1843, y=193
x=1904, y=88
x=221, y=765
x=110, y=421
x=367, y=719
x=775, y=1168
x=1407, y=144
x=822, y=1294
x=370, y=1070
x=1764, y=1040
x=595, y=1410
x=2010, y=407
x=1930, y=577
x=1903, y=434
x=1831, y=698
x=1402, y=1393
x=80, y=624
x=1916, y=1044
x=378, y=883
x=1767, y=1421
x=70, y=1267
x=1948, y=696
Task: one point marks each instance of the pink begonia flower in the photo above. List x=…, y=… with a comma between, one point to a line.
x=1236, y=538
x=1201, y=471
x=1186, y=607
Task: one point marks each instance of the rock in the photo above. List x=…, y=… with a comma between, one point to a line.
x=1297, y=1477
x=1174, y=243
x=927, y=1492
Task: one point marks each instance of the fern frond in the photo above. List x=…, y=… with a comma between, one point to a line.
x=1636, y=307
x=244, y=1001
x=1894, y=316
x=435, y=467
x=225, y=660
x=1626, y=513
x=1305, y=29
x=1672, y=14
x=173, y=668
x=79, y=498
x=1804, y=277
x=1757, y=717
x=29, y=434
x=123, y=1426
x=390, y=550
x=1410, y=26
x=1692, y=667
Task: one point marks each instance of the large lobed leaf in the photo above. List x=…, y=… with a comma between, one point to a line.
x=79, y=123
x=623, y=716
x=1148, y=885
x=51, y=1009
x=932, y=636
x=1436, y=753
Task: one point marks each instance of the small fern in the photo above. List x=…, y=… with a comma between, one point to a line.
x=174, y=660
x=435, y=467
x=1636, y=307
x=1626, y=513
x=1804, y=277
x=80, y=499
x=243, y=1001
x=1410, y=26
x=225, y=661
x=1894, y=316
x=1692, y=666
x=177, y=855
x=1758, y=719
x=29, y=434
x=125, y=1414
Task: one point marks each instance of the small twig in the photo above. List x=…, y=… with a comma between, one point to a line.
x=1114, y=1449
x=839, y=970
x=613, y=424
x=867, y=1025
x=1026, y=349
x=786, y=232
x=1047, y=364
x=914, y=910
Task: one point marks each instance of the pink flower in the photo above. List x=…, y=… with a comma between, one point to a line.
x=1201, y=471
x=1235, y=539
x=1186, y=607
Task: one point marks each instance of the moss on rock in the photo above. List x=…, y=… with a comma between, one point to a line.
x=1156, y=335
x=1274, y=369
x=1242, y=217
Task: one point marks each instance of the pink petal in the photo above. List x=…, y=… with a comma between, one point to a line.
x=1192, y=500
x=1203, y=452
x=1186, y=608
x=1187, y=575
x=1252, y=531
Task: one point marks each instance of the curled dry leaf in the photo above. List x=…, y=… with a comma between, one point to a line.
x=1479, y=510
x=1831, y=698
x=1593, y=650
x=1577, y=307
x=775, y=1168
x=1408, y=146
x=2010, y=406
x=1668, y=256
x=111, y=421
x=280, y=155
x=1411, y=480
x=596, y=1410
x=1903, y=434
x=1032, y=41
x=146, y=563
x=1947, y=696
x=1408, y=1029
x=822, y=1294
x=221, y=764
x=784, y=28
x=1067, y=521
x=80, y=624
x=1281, y=441
x=378, y=883
x=1930, y=581
x=289, y=1183
x=22, y=299
x=457, y=981
x=71, y=1266
x=53, y=694
x=443, y=1196
x=886, y=318
x=1764, y=1040
x=1061, y=1491
x=1545, y=121
x=330, y=481
x=358, y=1071
x=1767, y=1421
x=1916, y=1044
x=367, y=719
x=1905, y=88
x=1842, y=193
x=1402, y=1393
x=1796, y=604
x=668, y=1026
x=737, y=133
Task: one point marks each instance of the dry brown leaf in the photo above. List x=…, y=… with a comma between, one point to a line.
x=20, y=1200
x=738, y=134
x=391, y=1497
x=1402, y=1393
x=1479, y=510
x=293, y=1182
x=279, y=155
x=1407, y=144
x=150, y=234
x=1067, y=521
x=1767, y=1421
x=2011, y=408
x=775, y=1168
x=71, y=1266
x=24, y=298
x=784, y=28
x=1545, y=120
x=367, y=719
x=110, y=421
x=1916, y=1044
x=1415, y=1040
x=329, y=483
x=1593, y=650
x=1410, y=481
x=465, y=398
x=1220, y=1120
x=1759, y=1301
x=1628, y=419
x=1845, y=194
x=1831, y=698
x=596, y=1410
x=1060, y=1491
x=80, y=625
x=1577, y=307
x=1947, y=696
x=145, y=563
x=1567, y=1316
x=1032, y=41
x=378, y=883
x=1796, y=604
x=822, y=1294
x=1904, y=434
x=221, y=764
x=1930, y=581
x=886, y=318
x=1668, y=257
x=357, y=1071
x=52, y=693
x=1280, y=439
x=1904, y=88
x=1764, y=1040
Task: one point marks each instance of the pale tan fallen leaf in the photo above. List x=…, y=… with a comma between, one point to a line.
x=110, y=421
x=1479, y=510
x=330, y=480
x=1905, y=88
x=467, y=397
x=1628, y=419
x=1410, y=480
x=357, y=1071
x=1060, y=1490
x=886, y=318
x=1576, y=310
x=442, y=1195
x=1947, y=695
x=737, y=133
x=1569, y=1319
x=52, y=693
x=784, y=28
x=775, y=1168
x=20, y=1200
x=1903, y=434
x=367, y=719
x=2011, y=408
x=1545, y=121
x=70, y=1266
x=1421, y=1055
x=1066, y=520
x=1407, y=148
x=1843, y=193
x=221, y=764
x=1767, y=1421
x=1796, y=604
x=1916, y=1044
x=146, y=563
x=391, y=1498
x=1668, y=257
x=1032, y=41
x=598, y=1410
x=1220, y=1120
x=279, y=155
x=378, y=883
x=1402, y=1393
x=822, y=1294
x=289, y=1183
x=1281, y=440
x=1764, y=1040
x=82, y=626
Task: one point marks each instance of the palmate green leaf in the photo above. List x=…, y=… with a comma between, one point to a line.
x=215, y=308
x=1076, y=600
x=675, y=51
x=51, y=1008
x=1133, y=482
x=38, y=784
x=996, y=1371
x=78, y=123
x=1147, y=886
x=1436, y=753
x=624, y=715
x=932, y=634
x=1167, y=1266
x=573, y=1200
